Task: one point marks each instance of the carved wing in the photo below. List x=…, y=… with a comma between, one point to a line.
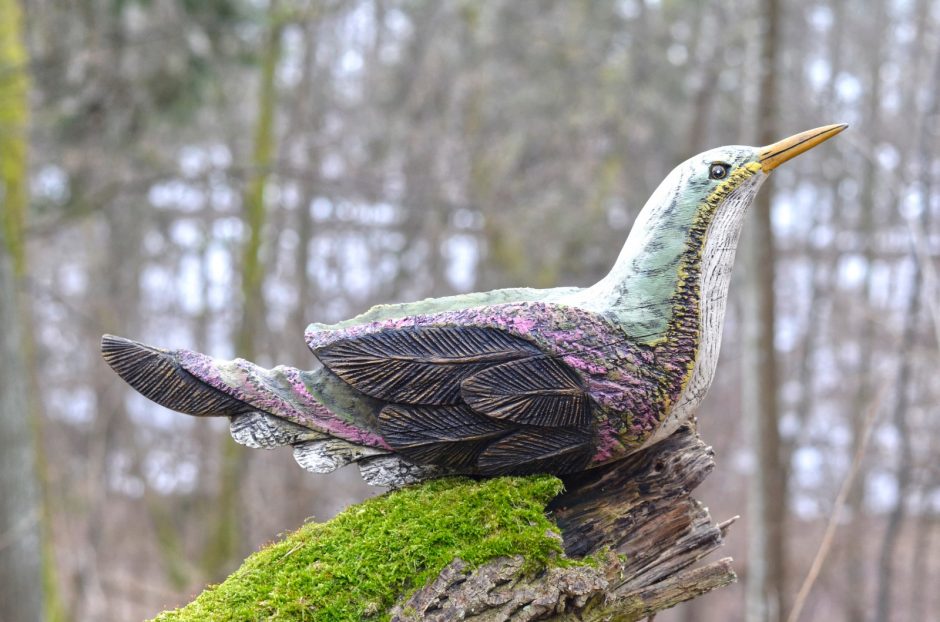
x=420, y=365
x=471, y=398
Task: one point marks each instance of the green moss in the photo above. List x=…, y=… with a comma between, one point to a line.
x=361, y=562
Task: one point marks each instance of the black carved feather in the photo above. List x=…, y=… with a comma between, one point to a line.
x=537, y=450
x=452, y=436
x=420, y=365
x=157, y=375
x=534, y=391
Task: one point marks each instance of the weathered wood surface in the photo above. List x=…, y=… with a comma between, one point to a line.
x=640, y=511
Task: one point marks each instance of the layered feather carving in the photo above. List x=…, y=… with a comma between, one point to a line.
x=419, y=401
x=470, y=399
x=537, y=450
x=327, y=455
x=421, y=365
x=452, y=436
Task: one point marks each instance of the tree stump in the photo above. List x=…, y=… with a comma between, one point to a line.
x=639, y=510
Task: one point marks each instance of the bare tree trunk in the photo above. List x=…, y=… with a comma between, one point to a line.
x=889, y=543
x=223, y=547
x=857, y=607
x=708, y=48
x=21, y=514
x=767, y=507
x=306, y=111
x=822, y=267
x=20, y=554
x=883, y=605
x=921, y=571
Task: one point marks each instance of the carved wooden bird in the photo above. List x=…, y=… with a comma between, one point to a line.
x=512, y=381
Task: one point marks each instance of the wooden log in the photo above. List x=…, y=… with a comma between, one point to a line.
x=639, y=511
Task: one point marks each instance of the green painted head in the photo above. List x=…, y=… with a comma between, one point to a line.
x=700, y=204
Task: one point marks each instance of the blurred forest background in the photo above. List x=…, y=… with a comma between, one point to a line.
x=216, y=174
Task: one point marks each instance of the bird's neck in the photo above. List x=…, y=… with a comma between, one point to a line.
x=693, y=339
x=674, y=269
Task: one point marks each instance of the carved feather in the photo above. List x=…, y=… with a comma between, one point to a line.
x=260, y=430
x=535, y=450
x=157, y=375
x=395, y=471
x=325, y=456
x=534, y=391
x=452, y=436
x=420, y=365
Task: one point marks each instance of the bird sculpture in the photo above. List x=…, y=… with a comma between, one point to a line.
x=512, y=381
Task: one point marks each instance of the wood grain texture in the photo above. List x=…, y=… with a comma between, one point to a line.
x=325, y=456
x=394, y=471
x=640, y=510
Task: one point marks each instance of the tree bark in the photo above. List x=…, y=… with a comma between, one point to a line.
x=905, y=385
x=639, y=511
x=223, y=547
x=767, y=507
x=21, y=510
x=857, y=608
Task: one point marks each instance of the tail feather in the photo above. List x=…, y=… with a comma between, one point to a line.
x=320, y=453
x=327, y=455
x=159, y=375
x=260, y=430
x=394, y=471
x=314, y=451
x=156, y=374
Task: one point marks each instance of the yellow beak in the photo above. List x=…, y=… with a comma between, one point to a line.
x=776, y=154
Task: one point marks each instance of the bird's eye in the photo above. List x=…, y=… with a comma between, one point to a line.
x=718, y=171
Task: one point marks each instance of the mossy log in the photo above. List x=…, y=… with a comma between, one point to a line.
x=639, y=511
x=620, y=543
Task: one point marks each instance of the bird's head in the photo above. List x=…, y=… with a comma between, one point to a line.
x=699, y=206
x=711, y=191
x=708, y=180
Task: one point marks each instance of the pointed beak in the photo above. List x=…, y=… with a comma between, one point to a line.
x=776, y=154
